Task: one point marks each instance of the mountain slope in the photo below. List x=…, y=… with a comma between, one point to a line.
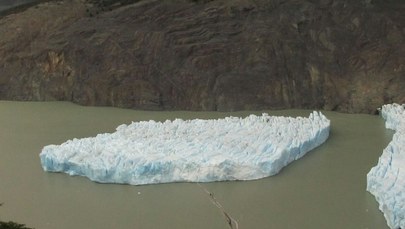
x=207, y=55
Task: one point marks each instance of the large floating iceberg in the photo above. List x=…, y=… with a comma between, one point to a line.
x=189, y=150
x=386, y=181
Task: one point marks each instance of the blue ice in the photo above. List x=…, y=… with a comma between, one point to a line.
x=386, y=181
x=150, y=152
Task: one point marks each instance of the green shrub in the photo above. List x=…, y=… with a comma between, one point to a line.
x=12, y=225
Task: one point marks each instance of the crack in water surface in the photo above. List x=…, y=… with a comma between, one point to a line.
x=232, y=223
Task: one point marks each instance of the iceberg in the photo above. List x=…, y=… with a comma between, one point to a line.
x=197, y=150
x=386, y=181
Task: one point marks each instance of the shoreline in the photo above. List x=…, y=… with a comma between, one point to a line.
x=18, y=8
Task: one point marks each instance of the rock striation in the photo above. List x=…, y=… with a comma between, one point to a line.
x=207, y=55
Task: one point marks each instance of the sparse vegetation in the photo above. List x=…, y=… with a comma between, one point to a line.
x=109, y=3
x=201, y=1
x=98, y=6
x=12, y=225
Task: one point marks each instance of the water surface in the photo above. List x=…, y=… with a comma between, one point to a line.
x=8, y=4
x=324, y=189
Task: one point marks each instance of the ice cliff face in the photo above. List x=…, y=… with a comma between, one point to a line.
x=386, y=181
x=191, y=151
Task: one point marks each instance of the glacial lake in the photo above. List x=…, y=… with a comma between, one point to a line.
x=324, y=189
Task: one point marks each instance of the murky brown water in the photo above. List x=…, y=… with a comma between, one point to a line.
x=324, y=189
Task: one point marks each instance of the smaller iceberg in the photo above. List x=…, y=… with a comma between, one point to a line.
x=386, y=181
x=196, y=150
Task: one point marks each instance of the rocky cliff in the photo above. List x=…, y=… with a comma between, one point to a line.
x=207, y=55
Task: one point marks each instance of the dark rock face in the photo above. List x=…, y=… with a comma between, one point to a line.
x=209, y=55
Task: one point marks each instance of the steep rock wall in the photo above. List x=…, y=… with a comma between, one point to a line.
x=207, y=55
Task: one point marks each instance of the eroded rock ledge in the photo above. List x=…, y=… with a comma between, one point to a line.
x=207, y=55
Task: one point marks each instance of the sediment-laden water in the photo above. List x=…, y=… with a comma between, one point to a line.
x=324, y=189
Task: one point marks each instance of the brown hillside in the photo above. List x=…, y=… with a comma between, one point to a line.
x=207, y=55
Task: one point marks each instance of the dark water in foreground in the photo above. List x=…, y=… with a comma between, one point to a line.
x=324, y=189
x=8, y=4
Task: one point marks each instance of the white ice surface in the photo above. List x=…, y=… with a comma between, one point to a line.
x=189, y=150
x=386, y=181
